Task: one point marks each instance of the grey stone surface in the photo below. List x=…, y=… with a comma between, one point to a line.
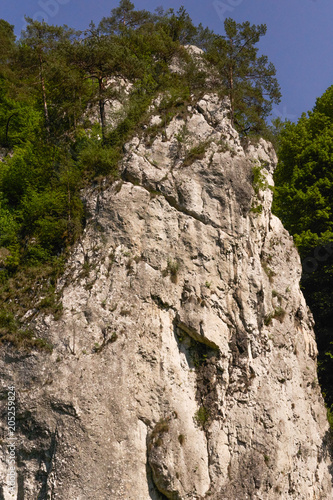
x=184, y=365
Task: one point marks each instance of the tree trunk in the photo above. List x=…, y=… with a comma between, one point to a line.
x=231, y=95
x=42, y=82
x=102, y=106
x=7, y=128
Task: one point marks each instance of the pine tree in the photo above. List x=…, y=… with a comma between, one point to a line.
x=37, y=44
x=248, y=80
x=123, y=18
x=100, y=57
x=178, y=26
x=7, y=42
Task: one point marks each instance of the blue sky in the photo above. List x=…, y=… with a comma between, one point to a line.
x=298, y=41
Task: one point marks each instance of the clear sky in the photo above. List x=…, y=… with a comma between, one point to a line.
x=299, y=37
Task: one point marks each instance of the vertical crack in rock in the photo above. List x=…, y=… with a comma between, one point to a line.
x=46, y=490
x=153, y=490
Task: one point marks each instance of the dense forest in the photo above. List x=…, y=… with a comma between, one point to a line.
x=58, y=89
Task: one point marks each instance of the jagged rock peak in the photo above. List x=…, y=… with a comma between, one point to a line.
x=184, y=365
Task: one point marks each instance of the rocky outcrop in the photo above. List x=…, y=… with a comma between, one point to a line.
x=184, y=365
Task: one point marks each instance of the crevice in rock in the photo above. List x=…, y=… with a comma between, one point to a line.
x=327, y=451
x=203, y=356
x=173, y=203
x=20, y=488
x=154, y=463
x=201, y=218
x=161, y=304
x=153, y=490
x=106, y=340
x=64, y=408
x=240, y=373
x=209, y=378
x=209, y=492
x=154, y=493
x=48, y=460
x=197, y=337
x=43, y=451
x=260, y=309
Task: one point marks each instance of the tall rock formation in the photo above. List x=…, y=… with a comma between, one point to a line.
x=184, y=364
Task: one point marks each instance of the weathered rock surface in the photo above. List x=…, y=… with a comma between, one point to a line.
x=184, y=365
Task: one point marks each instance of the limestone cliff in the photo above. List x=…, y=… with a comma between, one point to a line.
x=184, y=365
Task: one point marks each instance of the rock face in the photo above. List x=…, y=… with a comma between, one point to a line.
x=184, y=365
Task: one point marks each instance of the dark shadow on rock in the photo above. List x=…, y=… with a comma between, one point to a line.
x=154, y=493
x=20, y=487
x=327, y=450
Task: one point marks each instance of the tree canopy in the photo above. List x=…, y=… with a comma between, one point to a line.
x=7, y=41
x=247, y=79
x=304, y=200
x=124, y=17
x=304, y=175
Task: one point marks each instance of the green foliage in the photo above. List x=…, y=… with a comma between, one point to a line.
x=19, y=120
x=303, y=201
x=304, y=179
x=123, y=18
x=172, y=269
x=196, y=153
x=98, y=160
x=174, y=103
x=7, y=40
x=178, y=26
x=22, y=291
x=318, y=290
x=257, y=209
x=247, y=79
x=40, y=185
x=202, y=416
x=259, y=182
x=278, y=313
x=9, y=227
x=11, y=331
x=268, y=271
x=330, y=418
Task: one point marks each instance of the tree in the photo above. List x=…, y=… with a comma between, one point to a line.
x=304, y=178
x=36, y=54
x=100, y=57
x=248, y=80
x=19, y=120
x=68, y=92
x=304, y=200
x=7, y=41
x=123, y=18
x=45, y=63
x=178, y=26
